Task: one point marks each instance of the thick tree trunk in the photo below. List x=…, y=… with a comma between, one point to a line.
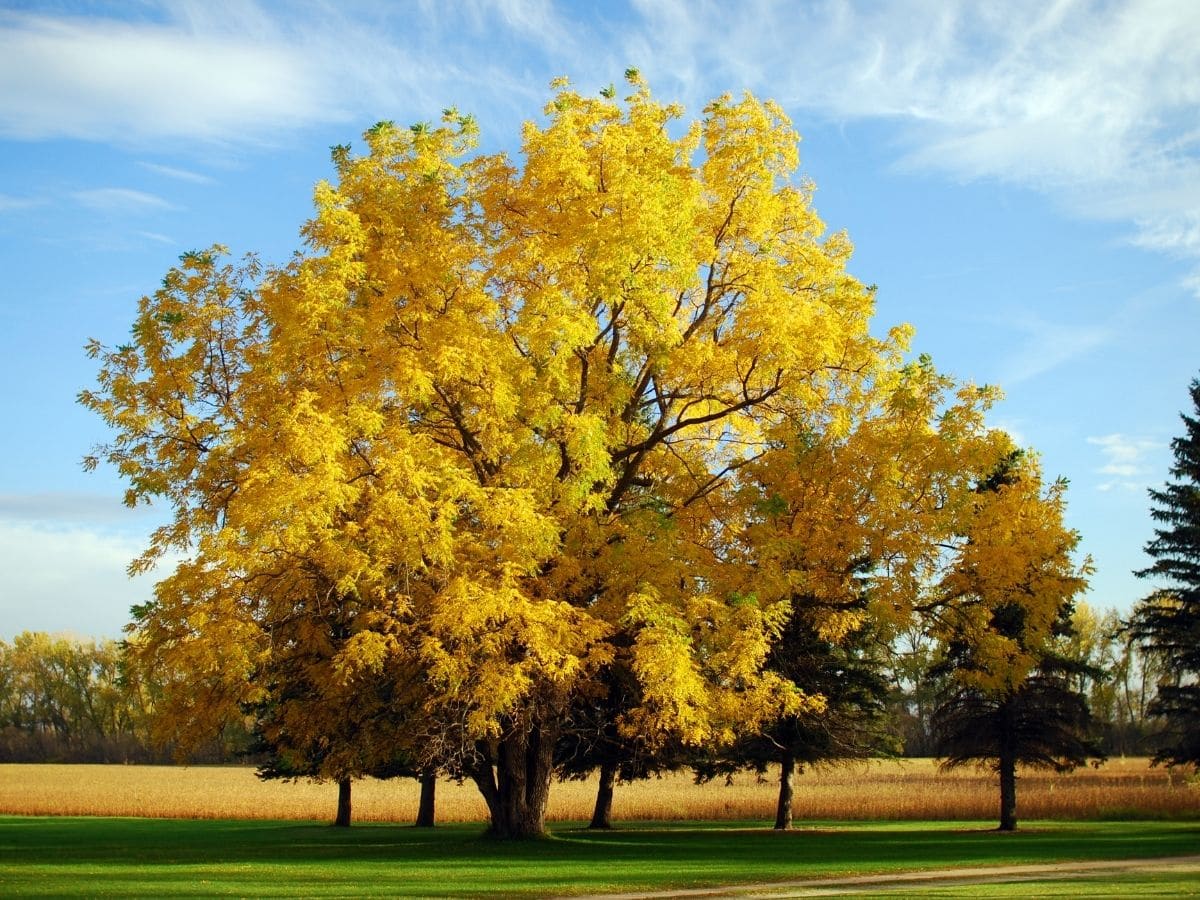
x=426, y=808
x=783, y=809
x=1007, y=767
x=516, y=786
x=343, y=811
x=602, y=815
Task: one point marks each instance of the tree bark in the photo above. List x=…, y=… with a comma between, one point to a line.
x=428, y=791
x=783, y=809
x=602, y=814
x=485, y=779
x=1007, y=767
x=516, y=784
x=343, y=809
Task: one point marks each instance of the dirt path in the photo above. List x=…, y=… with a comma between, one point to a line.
x=917, y=881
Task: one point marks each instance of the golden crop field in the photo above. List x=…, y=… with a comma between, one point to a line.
x=896, y=789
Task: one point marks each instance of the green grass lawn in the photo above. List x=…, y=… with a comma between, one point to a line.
x=155, y=857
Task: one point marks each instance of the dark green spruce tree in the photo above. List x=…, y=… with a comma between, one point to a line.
x=853, y=725
x=592, y=741
x=1168, y=620
x=1042, y=723
x=302, y=731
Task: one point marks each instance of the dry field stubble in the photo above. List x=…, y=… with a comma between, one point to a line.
x=899, y=789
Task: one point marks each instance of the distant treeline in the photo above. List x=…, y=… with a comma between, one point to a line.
x=65, y=699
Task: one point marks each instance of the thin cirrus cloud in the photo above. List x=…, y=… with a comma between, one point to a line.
x=1125, y=461
x=110, y=80
x=1048, y=345
x=8, y=203
x=1094, y=104
x=121, y=201
x=158, y=238
x=239, y=72
x=1179, y=234
x=177, y=173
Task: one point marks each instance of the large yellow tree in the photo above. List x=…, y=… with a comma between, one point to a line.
x=489, y=427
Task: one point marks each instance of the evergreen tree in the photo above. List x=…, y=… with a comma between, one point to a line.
x=851, y=726
x=1011, y=699
x=1169, y=619
x=1042, y=723
x=592, y=740
x=311, y=725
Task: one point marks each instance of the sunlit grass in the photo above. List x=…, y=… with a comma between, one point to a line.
x=91, y=856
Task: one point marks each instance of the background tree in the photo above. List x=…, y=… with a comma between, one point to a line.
x=1009, y=597
x=66, y=699
x=1119, y=699
x=851, y=724
x=1169, y=618
x=322, y=725
x=838, y=514
x=851, y=509
x=594, y=742
x=1041, y=723
x=915, y=688
x=1135, y=671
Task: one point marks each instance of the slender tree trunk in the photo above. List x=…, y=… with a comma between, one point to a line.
x=602, y=815
x=428, y=791
x=343, y=811
x=783, y=809
x=1007, y=767
x=516, y=786
x=1008, y=794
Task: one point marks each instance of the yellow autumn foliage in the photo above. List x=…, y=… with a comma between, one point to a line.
x=505, y=425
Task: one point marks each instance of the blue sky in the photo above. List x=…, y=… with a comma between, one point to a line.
x=1021, y=180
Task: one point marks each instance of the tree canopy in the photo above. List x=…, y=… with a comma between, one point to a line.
x=503, y=425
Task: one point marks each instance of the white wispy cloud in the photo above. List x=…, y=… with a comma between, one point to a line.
x=235, y=72
x=1178, y=233
x=124, y=81
x=1093, y=103
x=121, y=200
x=1125, y=461
x=157, y=238
x=177, y=173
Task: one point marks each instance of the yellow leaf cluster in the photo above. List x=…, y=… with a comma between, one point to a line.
x=503, y=426
x=1011, y=578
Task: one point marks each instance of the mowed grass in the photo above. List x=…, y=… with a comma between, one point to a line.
x=92, y=856
x=899, y=790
